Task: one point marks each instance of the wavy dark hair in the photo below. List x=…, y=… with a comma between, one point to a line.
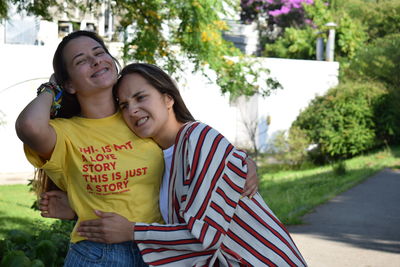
x=69, y=105
x=162, y=82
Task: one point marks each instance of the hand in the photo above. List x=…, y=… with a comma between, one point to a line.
x=54, y=204
x=251, y=185
x=110, y=228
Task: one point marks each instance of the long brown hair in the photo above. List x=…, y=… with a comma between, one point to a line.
x=69, y=105
x=162, y=82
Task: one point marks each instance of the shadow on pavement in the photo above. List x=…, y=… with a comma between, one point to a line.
x=366, y=216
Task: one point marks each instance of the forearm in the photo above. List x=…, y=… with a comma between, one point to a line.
x=171, y=237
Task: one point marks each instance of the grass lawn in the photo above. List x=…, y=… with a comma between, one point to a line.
x=15, y=211
x=291, y=194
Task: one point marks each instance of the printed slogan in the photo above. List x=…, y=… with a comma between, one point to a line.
x=100, y=170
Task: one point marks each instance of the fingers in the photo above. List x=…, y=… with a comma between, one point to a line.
x=44, y=196
x=253, y=192
x=93, y=236
x=91, y=231
x=44, y=214
x=250, y=191
x=102, y=214
x=56, y=193
x=95, y=222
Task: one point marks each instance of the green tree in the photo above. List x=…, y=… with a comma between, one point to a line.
x=170, y=32
x=380, y=18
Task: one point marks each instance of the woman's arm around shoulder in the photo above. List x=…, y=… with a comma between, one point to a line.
x=33, y=128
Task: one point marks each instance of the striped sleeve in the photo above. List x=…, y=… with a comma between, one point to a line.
x=207, y=193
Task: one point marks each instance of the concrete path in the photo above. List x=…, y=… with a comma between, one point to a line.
x=358, y=228
x=8, y=178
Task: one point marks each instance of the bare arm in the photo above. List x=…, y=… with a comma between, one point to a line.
x=33, y=126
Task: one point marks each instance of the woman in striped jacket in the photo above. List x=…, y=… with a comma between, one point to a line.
x=208, y=222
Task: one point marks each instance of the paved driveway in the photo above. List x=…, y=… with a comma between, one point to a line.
x=358, y=228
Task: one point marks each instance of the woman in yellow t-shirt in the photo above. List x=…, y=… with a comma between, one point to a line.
x=88, y=150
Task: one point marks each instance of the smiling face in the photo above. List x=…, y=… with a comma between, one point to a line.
x=89, y=66
x=147, y=112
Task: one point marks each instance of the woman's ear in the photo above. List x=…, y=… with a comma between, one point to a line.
x=169, y=101
x=69, y=88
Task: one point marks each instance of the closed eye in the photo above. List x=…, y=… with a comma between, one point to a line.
x=123, y=106
x=81, y=61
x=140, y=97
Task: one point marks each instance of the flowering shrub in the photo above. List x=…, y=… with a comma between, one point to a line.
x=284, y=13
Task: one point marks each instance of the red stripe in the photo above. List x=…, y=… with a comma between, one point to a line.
x=215, y=225
x=214, y=181
x=216, y=238
x=232, y=184
x=204, y=167
x=139, y=228
x=228, y=201
x=169, y=242
x=236, y=170
x=263, y=240
x=270, y=215
x=181, y=257
x=233, y=254
x=239, y=157
x=202, y=176
x=196, y=154
x=192, y=220
x=220, y=231
x=203, y=232
x=219, y=210
x=274, y=231
x=191, y=129
x=151, y=250
x=250, y=249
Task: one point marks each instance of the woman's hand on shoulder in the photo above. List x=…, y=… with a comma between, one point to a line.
x=54, y=204
x=109, y=228
x=252, y=181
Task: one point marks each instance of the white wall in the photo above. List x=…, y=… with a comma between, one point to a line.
x=23, y=68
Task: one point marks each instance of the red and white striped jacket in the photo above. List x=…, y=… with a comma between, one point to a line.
x=209, y=223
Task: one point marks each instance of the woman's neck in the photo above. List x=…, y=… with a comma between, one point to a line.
x=98, y=106
x=168, y=134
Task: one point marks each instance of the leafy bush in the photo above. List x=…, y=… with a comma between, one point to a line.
x=387, y=117
x=295, y=43
x=379, y=61
x=342, y=122
x=290, y=147
x=48, y=248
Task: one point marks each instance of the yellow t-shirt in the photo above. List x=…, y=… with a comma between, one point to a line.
x=104, y=166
